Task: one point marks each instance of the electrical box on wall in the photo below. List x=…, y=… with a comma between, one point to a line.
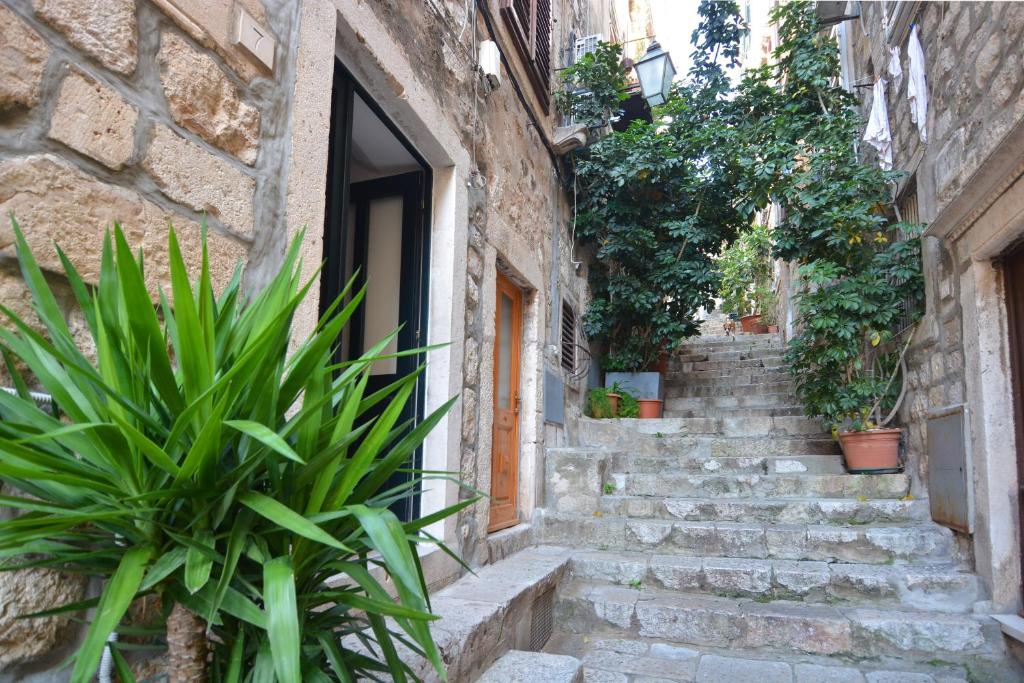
x=949, y=490
x=490, y=62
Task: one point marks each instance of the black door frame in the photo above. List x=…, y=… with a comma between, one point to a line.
x=415, y=236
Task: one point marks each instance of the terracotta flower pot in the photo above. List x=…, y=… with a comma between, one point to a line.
x=773, y=329
x=614, y=400
x=874, y=451
x=650, y=408
x=660, y=365
x=749, y=323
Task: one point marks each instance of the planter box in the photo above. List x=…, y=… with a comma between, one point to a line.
x=639, y=384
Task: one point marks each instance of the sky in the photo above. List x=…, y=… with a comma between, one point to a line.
x=674, y=21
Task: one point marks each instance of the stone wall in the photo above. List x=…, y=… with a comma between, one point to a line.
x=142, y=112
x=973, y=55
x=519, y=218
x=147, y=113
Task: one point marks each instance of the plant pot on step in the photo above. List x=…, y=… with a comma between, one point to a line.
x=636, y=383
x=773, y=329
x=614, y=400
x=661, y=365
x=750, y=323
x=872, y=451
x=650, y=408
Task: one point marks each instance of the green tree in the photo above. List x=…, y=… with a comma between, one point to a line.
x=657, y=201
x=860, y=274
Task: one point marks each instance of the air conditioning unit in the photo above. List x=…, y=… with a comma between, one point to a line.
x=586, y=45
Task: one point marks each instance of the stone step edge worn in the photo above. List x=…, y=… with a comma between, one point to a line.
x=583, y=607
x=940, y=588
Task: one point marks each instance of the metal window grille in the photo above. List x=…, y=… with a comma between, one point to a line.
x=908, y=213
x=542, y=623
x=568, y=337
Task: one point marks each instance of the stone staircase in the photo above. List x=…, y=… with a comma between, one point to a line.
x=724, y=542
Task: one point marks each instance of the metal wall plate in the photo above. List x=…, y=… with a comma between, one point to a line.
x=949, y=493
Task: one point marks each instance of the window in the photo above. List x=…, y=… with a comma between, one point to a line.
x=568, y=337
x=908, y=213
x=529, y=21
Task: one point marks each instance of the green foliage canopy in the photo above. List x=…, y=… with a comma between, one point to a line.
x=656, y=203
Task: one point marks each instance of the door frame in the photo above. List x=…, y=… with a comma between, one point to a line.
x=504, y=285
x=1013, y=279
x=344, y=89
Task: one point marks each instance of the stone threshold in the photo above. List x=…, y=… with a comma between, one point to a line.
x=1012, y=625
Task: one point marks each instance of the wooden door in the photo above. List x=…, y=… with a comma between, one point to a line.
x=1013, y=271
x=508, y=323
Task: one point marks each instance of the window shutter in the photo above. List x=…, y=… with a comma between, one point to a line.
x=529, y=22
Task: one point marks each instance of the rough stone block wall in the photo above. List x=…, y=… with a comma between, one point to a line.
x=515, y=199
x=145, y=113
x=973, y=56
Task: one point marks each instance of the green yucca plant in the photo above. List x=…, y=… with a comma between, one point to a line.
x=197, y=461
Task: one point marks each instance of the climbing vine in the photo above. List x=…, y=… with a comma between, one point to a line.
x=860, y=273
x=658, y=201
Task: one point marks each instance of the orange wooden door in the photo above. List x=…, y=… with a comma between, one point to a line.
x=508, y=326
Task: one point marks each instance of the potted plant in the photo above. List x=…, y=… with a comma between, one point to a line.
x=602, y=403
x=654, y=223
x=609, y=402
x=224, y=500
x=768, y=305
x=746, y=284
x=854, y=382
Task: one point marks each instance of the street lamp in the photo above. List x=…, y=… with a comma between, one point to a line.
x=655, y=72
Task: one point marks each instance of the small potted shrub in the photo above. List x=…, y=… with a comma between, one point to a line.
x=746, y=269
x=768, y=304
x=643, y=386
x=602, y=403
x=847, y=360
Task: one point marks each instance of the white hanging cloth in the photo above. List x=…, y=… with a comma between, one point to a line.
x=877, y=133
x=917, y=86
x=895, y=70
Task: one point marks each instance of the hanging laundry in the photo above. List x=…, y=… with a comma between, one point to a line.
x=877, y=133
x=895, y=70
x=917, y=85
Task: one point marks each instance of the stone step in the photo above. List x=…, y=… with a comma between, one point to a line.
x=726, y=354
x=834, y=511
x=914, y=544
x=711, y=404
x=768, y=411
x=720, y=341
x=583, y=480
x=737, y=375
x=777, y=627
x=622, y=657
x=769, y=464
x=519, y=666
x=730, y=387
x=659, y=443
x=734, y=485
x=731, y=436
x=927, y=588
x=683, y=367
